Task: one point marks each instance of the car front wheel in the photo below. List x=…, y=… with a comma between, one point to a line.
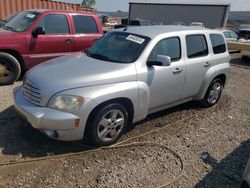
x=107, y=125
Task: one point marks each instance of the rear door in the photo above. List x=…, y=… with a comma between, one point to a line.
x=86, y=31
x=56, y=41
x=197, y=61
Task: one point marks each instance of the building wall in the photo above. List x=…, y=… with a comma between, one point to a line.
x=8, y=7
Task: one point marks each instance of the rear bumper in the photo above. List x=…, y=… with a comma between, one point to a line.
x=55, y=124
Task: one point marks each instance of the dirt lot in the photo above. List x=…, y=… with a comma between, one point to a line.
x=214, y=145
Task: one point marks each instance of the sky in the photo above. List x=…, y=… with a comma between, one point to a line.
x=114, y=5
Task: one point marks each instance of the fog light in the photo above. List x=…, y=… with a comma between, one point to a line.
x=51, y=134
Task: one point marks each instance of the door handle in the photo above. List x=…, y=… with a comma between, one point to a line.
x=207, y=64
x=68, y=41
x=177, y=70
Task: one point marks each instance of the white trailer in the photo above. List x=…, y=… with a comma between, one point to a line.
x=211, y=15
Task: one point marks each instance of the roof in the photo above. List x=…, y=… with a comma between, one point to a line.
x=65, y=11
x=244, y=27
x=155, y=30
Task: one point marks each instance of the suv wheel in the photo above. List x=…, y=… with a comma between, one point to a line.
x=245, y=58
x=107, y=125
x=213, y=93
x=10, y=69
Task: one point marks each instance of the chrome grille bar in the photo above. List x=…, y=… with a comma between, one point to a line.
x=31, y=93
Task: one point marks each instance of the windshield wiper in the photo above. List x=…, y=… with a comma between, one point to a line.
x=8, y=28
x=102, y=57
x=98, y=56
x=86, y=52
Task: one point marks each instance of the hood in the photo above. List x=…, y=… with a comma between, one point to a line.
x=12, y=40
x=77, y=71
x=5, y=32
x=9, y=39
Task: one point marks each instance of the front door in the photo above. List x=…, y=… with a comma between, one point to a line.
x=166, y=83
x=56, y=41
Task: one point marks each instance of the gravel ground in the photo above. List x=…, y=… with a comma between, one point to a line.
x=214, y=145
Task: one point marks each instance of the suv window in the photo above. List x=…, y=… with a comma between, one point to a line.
x=227, y=34
x=196, y=46
x=233, y=35
x=85, y=24
x=118, y=47
x=21, y=21
x=218, y=43
x=169, y=47
x=55, y=24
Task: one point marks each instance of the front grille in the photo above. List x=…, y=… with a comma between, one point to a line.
x=31, y=92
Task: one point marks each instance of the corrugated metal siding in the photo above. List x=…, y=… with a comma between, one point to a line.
x=8, y=7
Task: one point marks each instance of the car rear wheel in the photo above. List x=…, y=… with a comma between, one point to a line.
x=107, y=125
x=213, y=93
x=10, y=69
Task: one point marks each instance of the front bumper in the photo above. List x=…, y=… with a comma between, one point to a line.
x=55, y=124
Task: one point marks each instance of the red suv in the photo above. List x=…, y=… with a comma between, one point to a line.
x=35, y=36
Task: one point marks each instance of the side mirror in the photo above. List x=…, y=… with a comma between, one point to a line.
x=38, y=31
x=161, y=60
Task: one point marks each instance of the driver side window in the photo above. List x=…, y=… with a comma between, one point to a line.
x=169, y=47
x=55, y=24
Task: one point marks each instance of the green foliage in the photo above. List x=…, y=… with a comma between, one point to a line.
x=88, y=3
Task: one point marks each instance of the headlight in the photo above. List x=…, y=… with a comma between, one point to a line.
x=65, y=102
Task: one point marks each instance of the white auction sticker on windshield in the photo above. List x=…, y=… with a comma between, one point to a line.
x=30, y=16
x=136, y=39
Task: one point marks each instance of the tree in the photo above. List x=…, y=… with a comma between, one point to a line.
x=88, y=3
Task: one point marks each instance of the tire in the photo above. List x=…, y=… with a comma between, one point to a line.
x=244, y=184
x=10, y=69
x=213, y=93
x=245, y=58
x=107, y=125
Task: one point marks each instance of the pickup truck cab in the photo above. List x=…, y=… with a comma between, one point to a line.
x=128, y=74
x=35, y=36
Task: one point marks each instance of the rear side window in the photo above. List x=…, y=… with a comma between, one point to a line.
x=85, y=24
x=233, y=35
x=55, y=24
x=169, y=47
x=218, y=43
x=227, y=34
x=196, y=46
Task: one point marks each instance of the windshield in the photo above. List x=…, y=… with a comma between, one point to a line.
x=119, y=47
x=21, y=21
x=7, y=19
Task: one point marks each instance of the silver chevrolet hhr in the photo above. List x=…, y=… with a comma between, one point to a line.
x=128, y=74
